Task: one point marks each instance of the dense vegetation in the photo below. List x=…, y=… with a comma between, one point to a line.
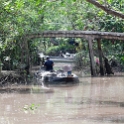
x=21, y=17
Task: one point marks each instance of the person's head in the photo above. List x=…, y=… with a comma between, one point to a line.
x=47, y=58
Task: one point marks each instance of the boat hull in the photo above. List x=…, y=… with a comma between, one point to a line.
x=58, y=78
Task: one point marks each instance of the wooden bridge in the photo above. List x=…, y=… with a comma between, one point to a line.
x=90, y=36
x=79, y=34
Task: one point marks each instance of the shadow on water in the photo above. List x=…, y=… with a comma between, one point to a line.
x=26, y=89
x=15, y=90
x=98, y=102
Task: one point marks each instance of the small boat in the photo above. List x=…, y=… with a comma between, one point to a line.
x=57, y=77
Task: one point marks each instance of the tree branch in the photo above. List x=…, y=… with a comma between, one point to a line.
x=107, y=10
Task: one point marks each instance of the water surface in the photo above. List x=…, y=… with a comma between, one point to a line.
x=98, y=100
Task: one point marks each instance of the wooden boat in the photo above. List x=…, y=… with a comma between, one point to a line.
x=57, y=77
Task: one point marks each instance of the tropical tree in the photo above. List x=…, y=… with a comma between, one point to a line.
x=21, y=17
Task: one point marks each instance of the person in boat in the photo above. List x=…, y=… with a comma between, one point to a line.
x=68, y=69
x=48, y=64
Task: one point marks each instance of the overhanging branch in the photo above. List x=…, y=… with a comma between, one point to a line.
x=107, y=10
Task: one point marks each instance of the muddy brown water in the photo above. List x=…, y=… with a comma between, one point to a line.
x=98, y=100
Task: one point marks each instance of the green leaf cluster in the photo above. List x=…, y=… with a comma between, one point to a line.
x=21, y=17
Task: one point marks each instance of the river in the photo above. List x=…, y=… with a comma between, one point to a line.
x=95, y=100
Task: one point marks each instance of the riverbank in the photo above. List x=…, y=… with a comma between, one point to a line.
x=13, y=77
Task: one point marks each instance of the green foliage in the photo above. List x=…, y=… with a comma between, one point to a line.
x=21, y=17
x=55, y=50
x=30, y=108
x=112, y=24
x=122, y=59
x=81, y=59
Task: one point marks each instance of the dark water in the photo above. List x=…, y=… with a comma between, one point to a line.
x=97, y=100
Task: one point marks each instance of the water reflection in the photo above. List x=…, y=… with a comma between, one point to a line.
x=92, y=101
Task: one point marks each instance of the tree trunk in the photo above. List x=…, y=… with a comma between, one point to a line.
x=91, y=55
x=100, y=57
x=25, y=57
